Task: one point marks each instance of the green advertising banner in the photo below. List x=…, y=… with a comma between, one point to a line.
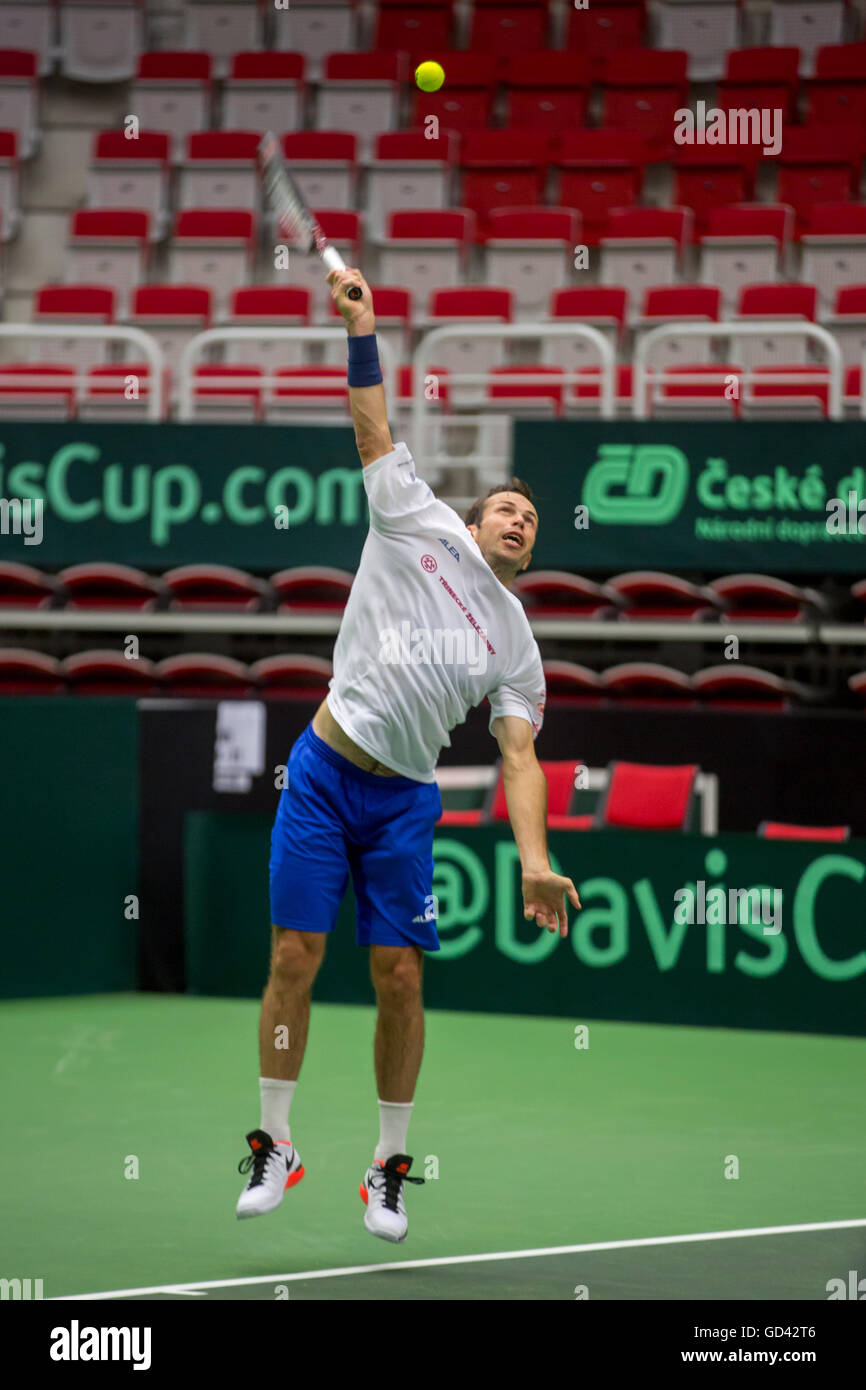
x=611, y=495
x=729, y=931
x=258, y=496
x=761, y=496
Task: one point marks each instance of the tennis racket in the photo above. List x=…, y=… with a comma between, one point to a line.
x=297, y=224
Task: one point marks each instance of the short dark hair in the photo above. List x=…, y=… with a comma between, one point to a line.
x=476, y=511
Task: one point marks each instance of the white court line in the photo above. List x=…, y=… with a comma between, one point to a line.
x=468, y=1259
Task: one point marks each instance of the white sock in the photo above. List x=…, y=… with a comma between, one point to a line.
x=394, y=1117
x=276, y=1099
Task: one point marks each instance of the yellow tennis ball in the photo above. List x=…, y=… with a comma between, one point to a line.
x=429, y=76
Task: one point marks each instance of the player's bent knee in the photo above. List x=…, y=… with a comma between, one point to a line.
x=398, y=981
x=297, y=955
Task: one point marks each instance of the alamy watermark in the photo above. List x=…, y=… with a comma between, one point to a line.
x=22, y=517
x=405, y=645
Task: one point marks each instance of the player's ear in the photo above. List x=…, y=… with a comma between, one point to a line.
x=473, y=531
x=528, y=563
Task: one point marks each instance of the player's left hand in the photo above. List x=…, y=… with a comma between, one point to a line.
x=544, y=896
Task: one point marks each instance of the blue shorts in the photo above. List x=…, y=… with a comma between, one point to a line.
x=334, y=819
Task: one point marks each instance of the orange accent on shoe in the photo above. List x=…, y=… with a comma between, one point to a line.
x=254, y=1144
x=402, y=1167
x=294, y=1177
x=364, y=1194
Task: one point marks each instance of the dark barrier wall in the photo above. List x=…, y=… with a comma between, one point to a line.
x=799, y=767
x=792, y=957
x=725, y=496
x=69, y=855
x=697, y=495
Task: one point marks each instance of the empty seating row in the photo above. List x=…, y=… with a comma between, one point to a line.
x=587, y=170
x=732, y=686
x=101, y=42
x=531, y=251
x=635, y=595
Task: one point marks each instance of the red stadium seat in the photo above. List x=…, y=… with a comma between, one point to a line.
x=643, y=89
x=599, y=170
x=713, y=176
x=547, y=91
x=848, y=323
x=605, y=27
x=648, y=595
x=131, y=174
x=364, y=98
x=312, y=589
x=43, y=390
x=109, y=245
x=571, y=684
x=100, y=42
x=212, y=589
x=213, y=247
x=264, y=306
x=414, y=26
x=545, y=389
x=427, y=250
x=603, y=307
x=228, y=391
x=74, y=305
x=738, y=687
x=779, y=830
x=640, y=796
x=834, y=249
x=172, y=92
x=531, y=250
x=761, y=78
x=679, y=304
x=465, y=102
x=220, y=170
x=264, y=91
x=408, y=171
x=502, y=169
x=509, y=26
x=744, y=244
x=173, y=314
x=23, y=586
x=649, y=684
x=818, y=164
x=699, y=390
x=10, y=212
x=224, y=29
x=837, y=92
x=24, y=672
x=202, y=676
x=19, y=97
x=803, y=392
x=104, y=585
x=115, y=391
x=558, y=594
x=291, y=677
x=307, y=388
x=644, y=247
x=110, y=673
x=766, y=599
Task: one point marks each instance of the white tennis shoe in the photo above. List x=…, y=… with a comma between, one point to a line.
x=275, y=1168
x=382, y=1194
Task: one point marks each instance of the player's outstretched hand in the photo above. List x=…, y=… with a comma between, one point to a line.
x=358, y=313
x=544, y=899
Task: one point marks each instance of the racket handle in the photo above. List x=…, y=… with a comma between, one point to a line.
x=334, y=261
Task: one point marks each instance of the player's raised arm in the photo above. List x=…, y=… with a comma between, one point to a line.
x=366, y=392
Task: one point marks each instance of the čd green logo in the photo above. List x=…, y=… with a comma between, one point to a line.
x=644, y=484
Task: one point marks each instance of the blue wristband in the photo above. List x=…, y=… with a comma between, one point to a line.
x=364, y=369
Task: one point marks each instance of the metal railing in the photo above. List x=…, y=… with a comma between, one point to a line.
x=646, y=376
x=82, y=379
x=269, y=381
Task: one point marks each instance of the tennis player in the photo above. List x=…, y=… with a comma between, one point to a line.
x=430, y=628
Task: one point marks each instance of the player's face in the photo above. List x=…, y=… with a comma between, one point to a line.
x=507, y=532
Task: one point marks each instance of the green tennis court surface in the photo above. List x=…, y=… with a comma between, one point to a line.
x=539, y=1146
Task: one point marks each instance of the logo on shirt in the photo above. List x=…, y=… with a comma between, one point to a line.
x=452, y=549
x=428, y=563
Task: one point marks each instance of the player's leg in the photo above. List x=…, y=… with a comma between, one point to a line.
x=308, y=876
x=396, y=972
x=393, y=876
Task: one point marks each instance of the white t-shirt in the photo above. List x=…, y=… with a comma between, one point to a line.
x=428, y=630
